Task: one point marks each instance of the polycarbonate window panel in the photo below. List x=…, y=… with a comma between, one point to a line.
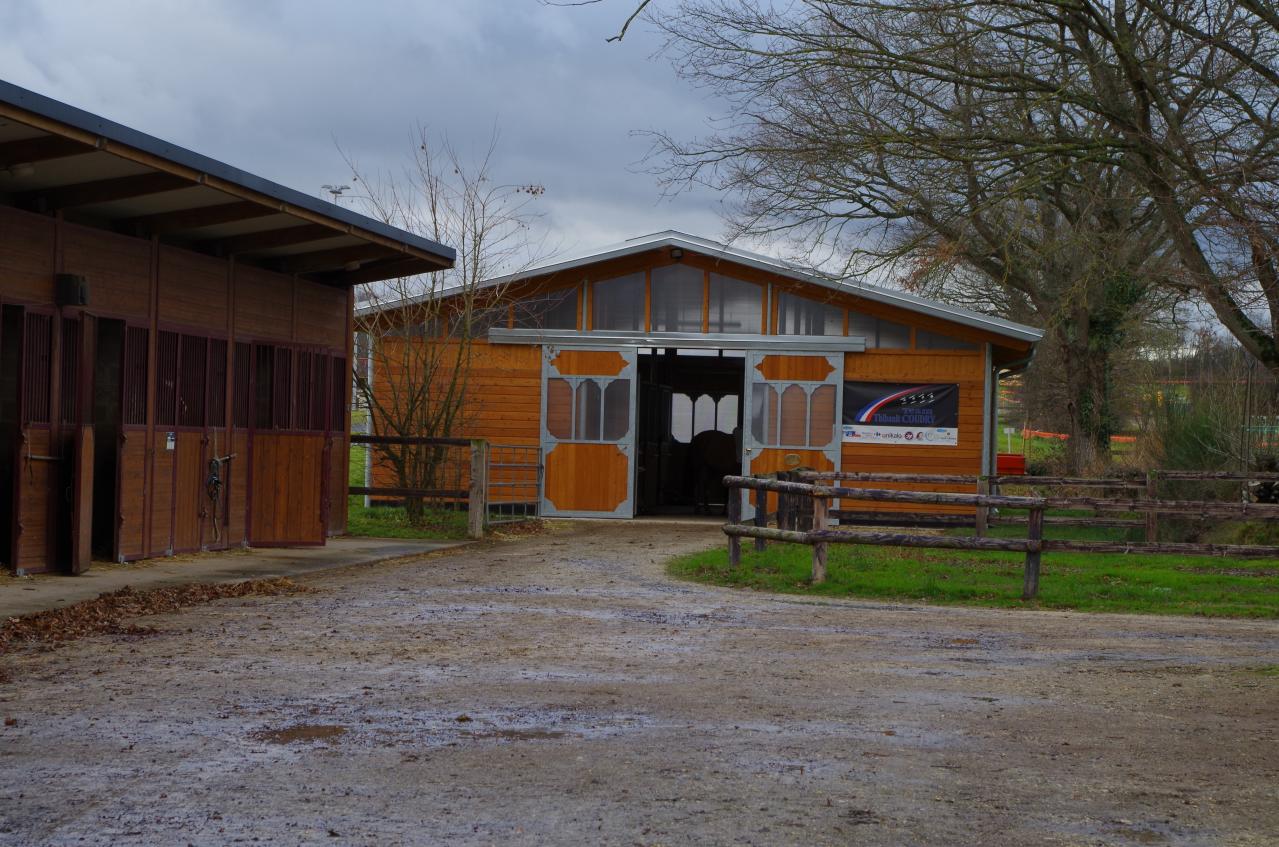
x=764, y=403
x=676, y=300
x=727, y=416
x=801, y=316
x=936, y=341
x=703, y=414
x=618, y=304
x=559, y=408
x=552, y=310
x=893, y=336
x=821, y=416
x=878, y=332
x=736, y=306
x=617, y=410
x=586, y=426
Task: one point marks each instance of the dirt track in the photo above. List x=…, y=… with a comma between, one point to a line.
x=561, y=690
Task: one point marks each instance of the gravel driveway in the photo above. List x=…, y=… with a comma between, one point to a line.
x=561, y=690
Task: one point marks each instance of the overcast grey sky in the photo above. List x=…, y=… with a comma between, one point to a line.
x=272, y=86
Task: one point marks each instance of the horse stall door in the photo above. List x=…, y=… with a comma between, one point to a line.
x=792, y=414
x=588, y=431
x=35, y=476
x=11, y=321
x=125, y=525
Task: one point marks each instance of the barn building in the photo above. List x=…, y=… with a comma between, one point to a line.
x=174, y=345
x=616, y=363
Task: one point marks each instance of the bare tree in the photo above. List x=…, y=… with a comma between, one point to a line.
x=419, y=330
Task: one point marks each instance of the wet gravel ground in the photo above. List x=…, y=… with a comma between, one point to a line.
x=561, y=690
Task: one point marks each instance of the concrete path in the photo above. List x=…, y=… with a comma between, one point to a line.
x=562, y=690
x=24, y=595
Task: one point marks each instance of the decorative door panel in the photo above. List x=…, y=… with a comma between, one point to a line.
x=588, y=431
x=792, y=417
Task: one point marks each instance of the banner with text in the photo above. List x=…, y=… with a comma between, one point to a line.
x=901, y=413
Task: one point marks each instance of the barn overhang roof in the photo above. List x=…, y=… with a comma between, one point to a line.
x=57, y=159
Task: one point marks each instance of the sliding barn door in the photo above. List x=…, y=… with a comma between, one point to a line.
x=588, y=431
x=792, y=412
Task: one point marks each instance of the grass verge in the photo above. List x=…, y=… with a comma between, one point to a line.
x=1166, y=585
x=393, y=522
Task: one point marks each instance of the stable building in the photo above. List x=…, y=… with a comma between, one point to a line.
x=175, y=339
x=635, y=369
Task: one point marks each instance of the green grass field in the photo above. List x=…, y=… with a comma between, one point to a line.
x=1170, y=585
x=392, y=522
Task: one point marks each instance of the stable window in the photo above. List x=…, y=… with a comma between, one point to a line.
x=618, y=304
x=676, y=299
x=735, y=306
x=588, y=408
x=241, y=399
x=339, y=379
x=879, y=333
x=166, y=379
x=194, y=364
x=552, y=310
x=37, y=367
x=69, y=365
x=792, y=415
x=800, y=316
x=217, y=382
x=135, y=375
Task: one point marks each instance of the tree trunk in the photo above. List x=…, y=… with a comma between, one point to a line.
x=1088, y=407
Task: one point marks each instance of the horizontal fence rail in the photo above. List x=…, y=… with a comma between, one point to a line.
x=803, y=514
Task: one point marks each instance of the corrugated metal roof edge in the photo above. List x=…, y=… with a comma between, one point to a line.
x=674, y=238
x=56, y=110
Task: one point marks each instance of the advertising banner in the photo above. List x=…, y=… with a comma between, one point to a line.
x=901, y=413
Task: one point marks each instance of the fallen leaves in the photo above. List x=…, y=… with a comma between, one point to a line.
x=107, y=613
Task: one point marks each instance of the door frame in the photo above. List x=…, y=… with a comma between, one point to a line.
x=548, y=442
x=833, y=451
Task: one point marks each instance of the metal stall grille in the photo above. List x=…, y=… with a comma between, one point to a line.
x=514, y=480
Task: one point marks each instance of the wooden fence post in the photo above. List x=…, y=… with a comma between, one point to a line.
x=1152, y=517
x=821, y=509
x=761, y=518
x=1034, y=550
x=477, y=507
x=735, y=517
x=983, y=512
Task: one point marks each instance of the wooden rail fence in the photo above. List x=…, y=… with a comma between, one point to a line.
x=803, y=516
x=474, y=494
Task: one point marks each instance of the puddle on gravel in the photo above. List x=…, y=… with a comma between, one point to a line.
x=300, y=732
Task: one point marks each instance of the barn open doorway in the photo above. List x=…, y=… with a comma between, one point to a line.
x=689, y=428
x=107, y=417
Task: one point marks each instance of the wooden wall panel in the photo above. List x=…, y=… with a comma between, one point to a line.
x=263, y=305
x=26, y=256
x=193, y=290
x=964, y=369
x=189, y=494
x=36, y=484
x=132, y=497
x=117, y=268
x=321, y=315
x=339, y=480
x=162, y=493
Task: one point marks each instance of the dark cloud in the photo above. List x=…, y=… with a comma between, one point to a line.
x=273, y=86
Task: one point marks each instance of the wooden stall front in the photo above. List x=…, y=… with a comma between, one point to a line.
x=638, y=368
x=174, y=345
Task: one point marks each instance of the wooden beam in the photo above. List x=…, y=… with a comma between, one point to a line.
x=102, y=191
x=333, y=260
x=183, y=219
x=270, y=239
x=31, y=151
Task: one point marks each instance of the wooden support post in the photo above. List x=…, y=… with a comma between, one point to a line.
x=761, y=518
x=734, y=518
x=1035, y=537
x=821, y=509
x=477, y=507
x=1152, y=517
x=983, y=512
